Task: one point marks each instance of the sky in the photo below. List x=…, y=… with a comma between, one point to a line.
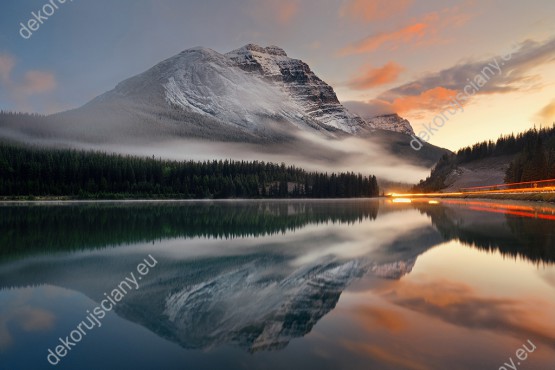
x=411, y=57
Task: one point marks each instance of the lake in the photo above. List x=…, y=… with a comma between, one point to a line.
x=289, y=284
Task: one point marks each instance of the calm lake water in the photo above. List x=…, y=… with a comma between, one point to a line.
x=357, y=284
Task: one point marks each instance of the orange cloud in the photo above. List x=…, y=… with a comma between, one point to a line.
x=376, y=77
x=286, y=11
x=405, y=35
x=434, y=92
x=372, y=10
x=547, y=113
x=434, y=99
x=430, y=29
x=459, y=304
x=370, y=317
x=451, y=293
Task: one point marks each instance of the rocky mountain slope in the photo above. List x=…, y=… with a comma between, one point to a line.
x=390, y=122
x=488, y=171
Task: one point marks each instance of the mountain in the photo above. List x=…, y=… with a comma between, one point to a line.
x=311, y=96
x=250, y=94
x=385, y=121
x=391, y=122
x=253, y=95
x=253, y=92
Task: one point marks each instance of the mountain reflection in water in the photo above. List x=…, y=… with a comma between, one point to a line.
x=254, y=274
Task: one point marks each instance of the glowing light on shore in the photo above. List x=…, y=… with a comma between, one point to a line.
x=402, y=200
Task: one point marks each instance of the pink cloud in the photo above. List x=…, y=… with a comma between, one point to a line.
x=37, y=82
x=35, y=319
x=34, y=82
x=287, y=10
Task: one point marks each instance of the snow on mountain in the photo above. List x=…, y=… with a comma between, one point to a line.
x=257, y=90
x=375, y=121
x=209, y=83
x=390, y=122
x=273, y=308
x=315, y=98
x=250, y=85
x=394, y=270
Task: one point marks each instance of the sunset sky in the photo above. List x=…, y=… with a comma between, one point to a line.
x=405, y=56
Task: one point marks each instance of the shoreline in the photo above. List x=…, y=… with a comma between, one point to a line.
x=6, y=200
x=536, y=197
x=528, y=197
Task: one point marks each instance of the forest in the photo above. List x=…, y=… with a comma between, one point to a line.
x=40, y=172
x=532, y=152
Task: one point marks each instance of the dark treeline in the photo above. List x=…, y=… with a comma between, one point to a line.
x=25, y=231
x=27, y=123
x=535, y=162
x=517, y=237
x=47, y=172
x=533, y=151
x=19, y=115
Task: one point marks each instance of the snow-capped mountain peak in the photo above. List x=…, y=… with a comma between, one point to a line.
x=391, y=122
x=265, y=60
x=253, y=90
x=251, y=94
